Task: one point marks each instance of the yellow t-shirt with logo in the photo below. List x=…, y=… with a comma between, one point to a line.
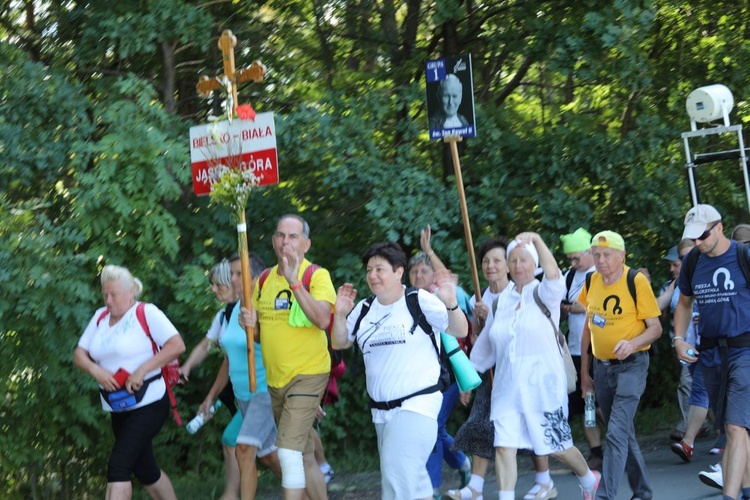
x=289, y=351
x=612, y=314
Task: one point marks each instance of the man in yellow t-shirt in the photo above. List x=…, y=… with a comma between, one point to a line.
x=620, y=328
x=291, y=322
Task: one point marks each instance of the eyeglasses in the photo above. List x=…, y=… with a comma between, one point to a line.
x=576, y=260
x=706, y=233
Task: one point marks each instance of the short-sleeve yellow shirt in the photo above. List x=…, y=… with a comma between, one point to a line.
x=289, y=351
x=612, y=314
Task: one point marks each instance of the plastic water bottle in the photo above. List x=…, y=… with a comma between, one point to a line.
x=195, y=424
x=689, y=352
x=589, y=413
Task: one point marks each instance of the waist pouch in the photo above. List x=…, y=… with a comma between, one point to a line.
x=121, y=399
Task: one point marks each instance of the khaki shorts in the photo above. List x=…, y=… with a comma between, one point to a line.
x=294, y=408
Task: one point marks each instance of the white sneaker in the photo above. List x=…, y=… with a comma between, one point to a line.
x=542, y=492
x=328, y=475
x=713, y=478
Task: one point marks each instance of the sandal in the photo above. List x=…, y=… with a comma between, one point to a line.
x=456, y=494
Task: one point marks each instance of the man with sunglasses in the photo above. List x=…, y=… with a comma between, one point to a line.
x=723, y=296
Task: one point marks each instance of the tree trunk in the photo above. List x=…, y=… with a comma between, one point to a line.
x=170, y=74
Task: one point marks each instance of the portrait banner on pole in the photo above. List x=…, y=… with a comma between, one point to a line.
x=450, y=97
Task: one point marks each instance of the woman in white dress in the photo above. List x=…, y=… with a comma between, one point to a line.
x=529, y=394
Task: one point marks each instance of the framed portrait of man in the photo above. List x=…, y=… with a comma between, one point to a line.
x=450, y=97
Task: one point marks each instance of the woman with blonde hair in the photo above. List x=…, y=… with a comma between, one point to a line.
x=117, y=352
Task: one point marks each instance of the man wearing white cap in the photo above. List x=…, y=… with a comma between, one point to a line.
x=621, y=325
x=716, y=281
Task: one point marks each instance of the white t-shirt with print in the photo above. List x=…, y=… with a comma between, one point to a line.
x=398, y=363
x=576, y=320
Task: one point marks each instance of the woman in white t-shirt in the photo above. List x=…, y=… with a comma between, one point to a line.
x=117, y=352
x=529, y=393
x=401, y=365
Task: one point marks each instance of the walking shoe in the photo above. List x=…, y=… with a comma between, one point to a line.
x=682, y=450
x=716, y=451
x=541, y=491
x=704, y=431
x=594, y=462
x=589, y=494
x=713, y=478
x=677, y=435
x=328, y=476
x=470, y=493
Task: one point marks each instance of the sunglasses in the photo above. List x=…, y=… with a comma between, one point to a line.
x=706, y=233
x=575, y=260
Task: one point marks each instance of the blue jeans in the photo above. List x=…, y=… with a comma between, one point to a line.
x=618, y=390
x=444, y=443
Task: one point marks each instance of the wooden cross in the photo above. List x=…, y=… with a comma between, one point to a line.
x=256, y=72
x=206, y=85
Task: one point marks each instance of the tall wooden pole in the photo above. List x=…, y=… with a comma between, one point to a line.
x=452, y=140
x=227, y=43
x=247, y=300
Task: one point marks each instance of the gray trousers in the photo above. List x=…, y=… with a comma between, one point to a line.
x=618, y=391
x=683, y=395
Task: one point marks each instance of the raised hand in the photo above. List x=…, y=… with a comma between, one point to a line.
x=345, y=299
x=446, y=282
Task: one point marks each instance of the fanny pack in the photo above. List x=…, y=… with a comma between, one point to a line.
x=122, y=400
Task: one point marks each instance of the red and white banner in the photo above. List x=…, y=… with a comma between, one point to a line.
x=244, y=144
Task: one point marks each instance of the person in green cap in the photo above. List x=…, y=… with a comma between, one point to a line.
x=622, y=321
x=577, y=249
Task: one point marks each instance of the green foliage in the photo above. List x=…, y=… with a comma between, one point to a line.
x=579, y=107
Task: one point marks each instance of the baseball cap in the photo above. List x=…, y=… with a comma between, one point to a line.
x=578, y=241
x=672, y=255
x=697, y=219
x=608, y=239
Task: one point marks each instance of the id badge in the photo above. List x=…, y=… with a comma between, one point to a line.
x=121, y=400
x=281, y=303
x=598, y=321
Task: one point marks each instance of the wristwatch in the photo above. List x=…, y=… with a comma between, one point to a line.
x=675, y=338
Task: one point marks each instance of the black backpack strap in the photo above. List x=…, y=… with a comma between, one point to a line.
x=418, y=317
x=569, y=281
x=362, y=313
x=588, y=280
x=689, y=263
x=631, y=284
x=743, y=256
